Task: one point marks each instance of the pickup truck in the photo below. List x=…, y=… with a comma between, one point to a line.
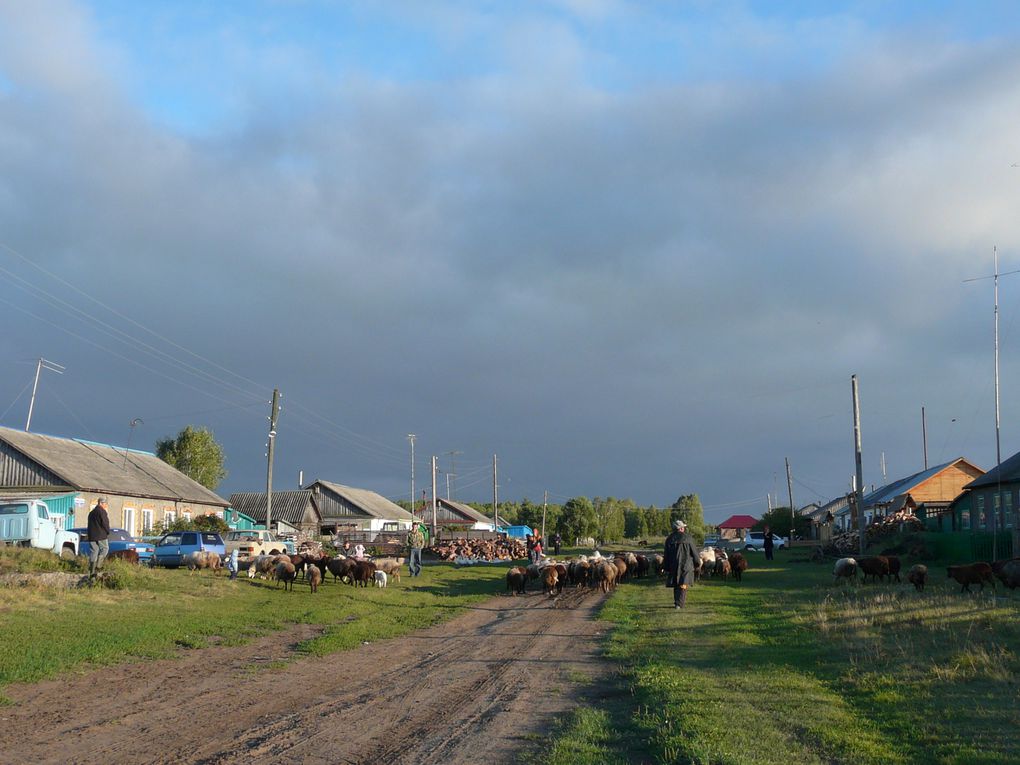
x=253, y=542
x=27, y=523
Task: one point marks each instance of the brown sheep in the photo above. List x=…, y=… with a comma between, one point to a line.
x=202, y=559
x=550, y=579
x=1008, y=572
x=975, y=573
x=722, y=568
x=128, y=556
x=604, y=575
x=314, y=574
x=642, y=566
x=341, y=569
x=918, y=576
x=286, y=573
x=877, y=567
x=561, y=577
x=621, y=568
x=659, y=564
x=894, y=567
x=364, y=573
x=738, y=565
x=515, y=579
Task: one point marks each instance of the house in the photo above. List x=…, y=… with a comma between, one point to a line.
x=345, y=508
x=71, y=474
x=979, y=505
x=292, y=510
x=735, y=527
x=450, y=513
x=942, y=483
x=823, y=517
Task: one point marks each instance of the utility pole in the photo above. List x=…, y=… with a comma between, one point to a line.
x=789, y=488
x=411, y=437
x=882, y=463
x=40, y=365
x=434, y=499
x=271, y=450
x=453, y=472
x=859, y=482
x=495, y=495
x=545, y=507
x=924, y=438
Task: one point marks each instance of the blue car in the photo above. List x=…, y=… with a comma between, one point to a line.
x=119, y=540
x=174, y=545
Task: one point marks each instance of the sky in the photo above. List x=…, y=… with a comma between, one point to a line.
x=631, y=249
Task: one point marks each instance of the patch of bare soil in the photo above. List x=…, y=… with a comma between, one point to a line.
x=484, y=687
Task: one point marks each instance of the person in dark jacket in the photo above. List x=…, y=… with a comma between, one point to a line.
x=99, y=537
x=770, y=543
x=681, y=558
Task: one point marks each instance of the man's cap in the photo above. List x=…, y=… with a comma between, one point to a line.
x=101, y=501
x=679, y=524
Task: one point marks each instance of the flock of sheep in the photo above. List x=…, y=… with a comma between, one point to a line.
x=885, y=567
x=605, y=572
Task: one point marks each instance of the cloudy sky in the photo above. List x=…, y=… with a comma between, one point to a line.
x=633, y=249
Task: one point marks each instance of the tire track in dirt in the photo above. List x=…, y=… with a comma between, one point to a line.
x=481, y=687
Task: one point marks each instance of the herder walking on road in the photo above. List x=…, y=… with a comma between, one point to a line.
x=681, y=558
x=416, y=541
x=99, y=537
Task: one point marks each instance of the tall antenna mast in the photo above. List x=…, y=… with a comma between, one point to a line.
x=41, y=364
x=411, y=437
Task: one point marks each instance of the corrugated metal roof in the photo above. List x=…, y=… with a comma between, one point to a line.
x=738, y=522
x=466, y=510
x=99, y=468
x=1009, y=470
x=374, y=504
x=289, y=506
x=891, y=491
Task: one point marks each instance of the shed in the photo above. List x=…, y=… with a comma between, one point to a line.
x=296, y=508
x=735, y=527
x=450, y=513
x=346, y=507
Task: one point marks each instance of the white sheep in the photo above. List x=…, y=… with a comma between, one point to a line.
x=380, y=578
x=846, y=568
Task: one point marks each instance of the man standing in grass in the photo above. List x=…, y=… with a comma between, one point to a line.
x=681, y=558
x=770, y=543
x=99, y=537
x=416, y=540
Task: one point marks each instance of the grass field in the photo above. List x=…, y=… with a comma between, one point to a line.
x=787, y=668
x=45, y=632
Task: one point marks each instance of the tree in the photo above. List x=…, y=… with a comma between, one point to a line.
x=610, y=520
x=688, y=508
x=578, y=519
x=778, y=519
x=195, y=453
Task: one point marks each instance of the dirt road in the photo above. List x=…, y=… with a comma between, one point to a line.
x=483, y=687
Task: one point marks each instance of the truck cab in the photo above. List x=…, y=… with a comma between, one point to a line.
x=27, y=523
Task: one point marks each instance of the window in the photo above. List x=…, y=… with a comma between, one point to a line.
x=169, y=516
x=965, y=520
x=189, y=538
x=171, y=539
x=186, y=515
x=146, y=521
x=1007, y=498
x=13, y=509
x=129, y=520
x=979, y=513
x=211, y=538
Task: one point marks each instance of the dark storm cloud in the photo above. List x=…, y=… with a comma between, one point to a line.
x=642, y=292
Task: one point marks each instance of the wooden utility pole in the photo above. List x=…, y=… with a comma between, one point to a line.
x=924, y=438
x=271, y=450
x=495, y=493
x=411, y=437
x=545, y=507
x=859, y=487
x=789, y=488
x=434, y=519
x=41, y=364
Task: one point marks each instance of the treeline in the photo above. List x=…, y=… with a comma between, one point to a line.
x=604, y=519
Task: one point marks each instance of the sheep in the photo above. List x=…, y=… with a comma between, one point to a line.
x=975, y=573
x=845, y=568
x=515, y=579
x=621, y=568
x=738, y=565
x=263, y=566
x=128, y=556
x=604, y=575
x=314, y=574
x=894, y=567
x=642, y=566
x=579, y=572
x=1008, y=572
x=876, y=566
x=202, y=559
x=299, y=562
x=286, y=573
x=561, y=577
x=918, y=576
x=390, y=565
x=341, y=568
x=550, y=579
x=364, y=572
x=659, y=564
x=707, y=557
x=722, y=568
x=380, y=578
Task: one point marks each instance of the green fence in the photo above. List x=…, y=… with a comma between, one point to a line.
x=966, y=546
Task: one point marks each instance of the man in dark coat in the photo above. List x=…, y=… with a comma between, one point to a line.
x=681, y=560
x=99, y=537
x=770, y=543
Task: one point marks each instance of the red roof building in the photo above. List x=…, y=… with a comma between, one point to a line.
x=736, y=526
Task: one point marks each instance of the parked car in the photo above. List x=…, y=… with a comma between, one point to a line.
x=119, y=540
x=252, y=542
x=713, y=541
x=174, y=545
x=755, y=541
x=27, y=523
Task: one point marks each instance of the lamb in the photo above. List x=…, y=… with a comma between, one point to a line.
x=515, y=579
x=286, y=573
x=314, y=574
x=202, y=559
x=876, y=566
x=550, y=580
x=390, y=565
x=380, y=578
x=845, y=568
x=975, y=573
x=738, y=565
x=1008, y=572
x=918, y=576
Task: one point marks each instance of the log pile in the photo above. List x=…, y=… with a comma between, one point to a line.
x=479, y=549
x=848, y=542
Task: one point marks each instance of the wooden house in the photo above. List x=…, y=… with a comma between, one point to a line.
x=297, y=509
x=459, y=515
x=347, y=509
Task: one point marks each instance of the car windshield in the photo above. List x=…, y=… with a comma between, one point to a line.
x=18, y=509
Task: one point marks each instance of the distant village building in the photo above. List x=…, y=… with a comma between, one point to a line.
x=735, y=527
x=345, y=508
x=457, y=514
x=292, y=511
x=991, y=497
x=71, y=474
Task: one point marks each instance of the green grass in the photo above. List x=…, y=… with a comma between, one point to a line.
x=153, y=613
x=787, y=668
